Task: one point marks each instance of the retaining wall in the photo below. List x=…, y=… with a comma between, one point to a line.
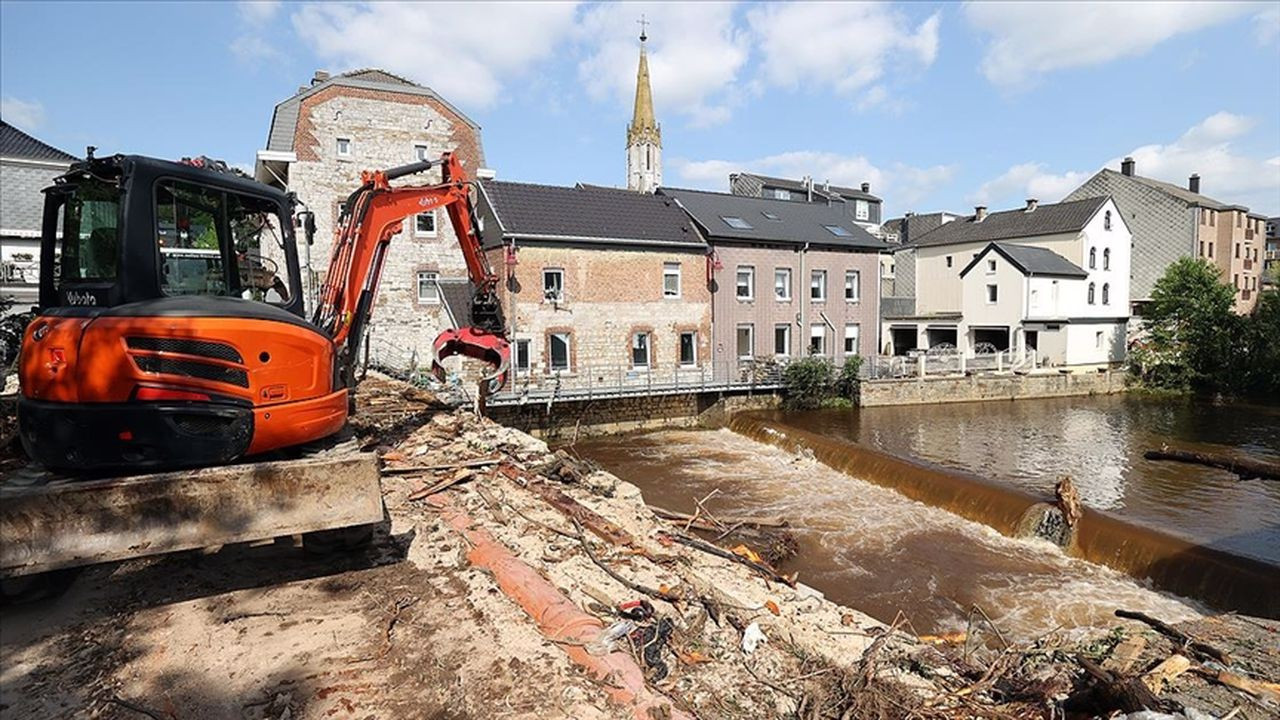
x=565, y=419
x=923, y=391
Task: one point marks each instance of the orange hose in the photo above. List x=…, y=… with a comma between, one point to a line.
x=558, y=617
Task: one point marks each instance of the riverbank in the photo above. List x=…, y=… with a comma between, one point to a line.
x=484, y=597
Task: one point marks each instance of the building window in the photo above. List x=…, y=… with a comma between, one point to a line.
x=1106, y=221
x=782, y=340
x=818, y=339
x=852, y=285
x=688, y=348
x=522, y=356
x=559, y=355
x=1235, y=280
x=782, y=284
x=771, y=216
x=850, y=340
x=1237, y=250
x=862, y=209
x=948, y=261
x=1201, y=248
x=993, y=294
x=1239, y=217
x=1091, y=294
x=553, y=285
x=746, y=288
x=818, y=285
x=1093, y=258
x=344, y=147
x=736, y=222
x=991, y=266
x=1097, y=339
x=671, y=280
x=640, y=350
x=1106, y=293
x=1213, y=219
x=424, y=224
x=782, y=193
x=1210, y=249
x=838, y=230
x=1106, y=259
x=420, y=152
x=746, y=341
x=428, y=288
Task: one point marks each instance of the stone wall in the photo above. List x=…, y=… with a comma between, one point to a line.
x=566, y=419
x=923, y=391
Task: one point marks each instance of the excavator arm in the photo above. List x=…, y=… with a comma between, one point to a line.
x=370, y=218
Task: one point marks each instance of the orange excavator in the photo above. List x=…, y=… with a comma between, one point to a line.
x=171, y=329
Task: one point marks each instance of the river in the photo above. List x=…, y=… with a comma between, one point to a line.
x=874, y=549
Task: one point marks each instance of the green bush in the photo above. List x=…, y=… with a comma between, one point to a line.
x=814, y=382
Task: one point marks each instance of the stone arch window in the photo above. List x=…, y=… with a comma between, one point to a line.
x=1106, y=259
x=1093, y=258
x=1106, y=221
x=1106, y=293
x=1091, y=293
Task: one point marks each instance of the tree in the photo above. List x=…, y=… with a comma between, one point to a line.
x=1259, y=348
x=1190, y=330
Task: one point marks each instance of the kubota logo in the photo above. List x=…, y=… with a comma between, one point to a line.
x=79, y=297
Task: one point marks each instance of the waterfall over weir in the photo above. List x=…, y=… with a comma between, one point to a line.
x=1221, y=579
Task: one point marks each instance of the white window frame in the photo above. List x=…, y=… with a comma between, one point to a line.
x=751, y=341
x=822, y=286
x=861, y=209
x=338, y=147
x=550, y=272
x=993, y=293
x=783, y=274
x=856, y=276
x=857, y=337
x=435, y=224
x=991, y=266
x=420, y=152
x=671, y=270
x=750, y=270
x=568, y=352
x=433, y=278
x=527, y=366
x=786, y=350
x=648, y=350
x=818, y=331
x=781, y=194
x=680, y=348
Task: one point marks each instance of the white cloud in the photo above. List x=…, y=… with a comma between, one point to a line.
x=846, y=46
x=466, y=51
x=903, y=184
x=1266, y=25
x=258, y=11
x=252, y=48
x=1207, y=148
x=24, y=114
x=1029, y=39
x=695, y=54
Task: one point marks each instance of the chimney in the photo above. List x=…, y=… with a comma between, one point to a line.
x=1193, y=183
x=866, y=187
x=826, y=185
x=1126, y=167
x=1031, y=204
x=486, y=174
x=909, y=214
x=979, y=213
x=808, y=188
x=319, y=77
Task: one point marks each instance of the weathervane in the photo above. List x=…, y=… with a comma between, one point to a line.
x=643, y=25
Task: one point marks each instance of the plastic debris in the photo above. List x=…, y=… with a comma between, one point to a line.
x=752, y=637
x=650, y=640
x=608, y=637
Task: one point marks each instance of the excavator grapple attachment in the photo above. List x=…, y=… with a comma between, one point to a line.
x=477, y=344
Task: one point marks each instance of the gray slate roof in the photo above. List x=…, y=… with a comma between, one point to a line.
x=819, y=190
x=916, y=225
x=1176, y=191
x=796, y=223
x=1035, y=261
x=284, y=121
x=1063, y=217
x=586, y=214
x=16, y=144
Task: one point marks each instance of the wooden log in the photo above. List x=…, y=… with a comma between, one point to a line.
x=1177, y=635
x=1246, y=468
x=766, y=522
x=710, y=549
x=1119, y=692
x=411, y=469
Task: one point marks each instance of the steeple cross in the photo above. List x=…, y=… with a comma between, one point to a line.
x=644, y=24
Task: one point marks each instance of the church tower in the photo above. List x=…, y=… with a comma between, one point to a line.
x=644, y=135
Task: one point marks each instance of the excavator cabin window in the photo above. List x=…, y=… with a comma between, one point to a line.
x=215, y=242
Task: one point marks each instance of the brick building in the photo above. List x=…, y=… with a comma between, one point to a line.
x=1170, y=221
x=600, y=285
x=322, y=137
x=27, y=166
x=792, y=279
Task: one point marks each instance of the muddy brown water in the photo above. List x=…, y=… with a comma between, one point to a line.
x=885, y=545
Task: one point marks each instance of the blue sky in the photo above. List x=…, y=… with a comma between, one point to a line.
x=939, y=106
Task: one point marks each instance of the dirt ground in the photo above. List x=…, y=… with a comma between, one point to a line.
x=416, y=626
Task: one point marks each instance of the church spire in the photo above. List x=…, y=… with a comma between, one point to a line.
x=644, y=135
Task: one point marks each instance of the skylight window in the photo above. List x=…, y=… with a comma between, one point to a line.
x=770, y=216
x=736, y=222
x=838, y=230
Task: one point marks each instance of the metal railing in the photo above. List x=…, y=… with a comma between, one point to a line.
x=948, y=362
x=611, y=380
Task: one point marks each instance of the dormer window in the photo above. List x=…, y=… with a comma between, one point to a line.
x=736, y=223
x=781, y=194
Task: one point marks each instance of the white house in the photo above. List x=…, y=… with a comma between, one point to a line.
x=1050, y=277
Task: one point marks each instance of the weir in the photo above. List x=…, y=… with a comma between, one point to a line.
x=1221, y=579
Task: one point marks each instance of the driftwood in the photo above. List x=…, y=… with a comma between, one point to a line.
x=763, y=522
x=1119, y=692
x=1177, y=635
x=1246, y=468
x=461, y=476
x=710, y=549
x=435, y=468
